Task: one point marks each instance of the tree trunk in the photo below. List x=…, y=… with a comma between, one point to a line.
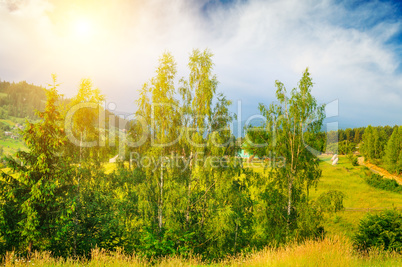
x=160, y=211
x=290, y=187
x=189, y=200
x=237, y=227
x=189, y=190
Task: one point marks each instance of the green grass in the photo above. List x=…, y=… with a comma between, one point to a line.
x=10, y=146
x=360, y=197
x=8, y=122
x=11, y=121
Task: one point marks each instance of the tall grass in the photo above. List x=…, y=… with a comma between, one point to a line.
x=334, y=251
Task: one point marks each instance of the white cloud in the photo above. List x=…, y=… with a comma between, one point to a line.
x=254, y=42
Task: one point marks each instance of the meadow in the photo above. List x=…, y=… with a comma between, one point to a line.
x=360, y=197
x=11, y=146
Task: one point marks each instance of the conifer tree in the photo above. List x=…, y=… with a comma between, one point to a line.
x=393, y=152
x=36, y=193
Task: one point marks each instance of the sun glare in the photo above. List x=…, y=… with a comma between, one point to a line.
x=82, y=28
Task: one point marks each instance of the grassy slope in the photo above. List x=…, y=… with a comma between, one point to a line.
x=360, y=197
x=9, y=145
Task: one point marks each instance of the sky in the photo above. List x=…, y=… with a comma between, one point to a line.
x=353, y=49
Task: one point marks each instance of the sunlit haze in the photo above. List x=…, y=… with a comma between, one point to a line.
x=82, y=29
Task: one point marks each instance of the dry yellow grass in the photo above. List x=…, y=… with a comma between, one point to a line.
x=334, y=251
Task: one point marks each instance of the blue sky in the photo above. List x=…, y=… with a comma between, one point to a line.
x=352, y=48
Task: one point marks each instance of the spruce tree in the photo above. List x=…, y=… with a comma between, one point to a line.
x=35, y=193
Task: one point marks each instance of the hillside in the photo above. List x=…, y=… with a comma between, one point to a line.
x=19, y=103
x=360, y=197
x=20, y=99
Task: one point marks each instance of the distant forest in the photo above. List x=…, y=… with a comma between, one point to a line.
x=20, y=99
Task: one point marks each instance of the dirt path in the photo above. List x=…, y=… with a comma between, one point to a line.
x=379, y=170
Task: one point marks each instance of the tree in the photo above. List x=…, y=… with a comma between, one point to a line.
x=196, y=188
x=393, y=152
x=35, y=196
x=357, y=136
x=368, y=146
x=202, y=84
x=159, y=110
x=286, y=123
x=85, y=119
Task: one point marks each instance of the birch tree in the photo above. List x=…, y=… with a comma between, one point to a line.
x=287, y=121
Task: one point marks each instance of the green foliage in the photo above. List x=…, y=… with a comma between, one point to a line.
x=309, y=221
x=380, y=182
x=353, y=160
x=84, y=128
x=255, y=141
x=331, y=201
x=34, y=198
x=393, y=153
x=288, y=122
x=20, y=99
x=193, y=197
x=375, y=141
x=382, y=231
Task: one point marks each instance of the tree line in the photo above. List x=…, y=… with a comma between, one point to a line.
x=20, y=99
x=383, y=146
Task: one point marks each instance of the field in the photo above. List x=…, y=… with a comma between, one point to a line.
x=10, y=146
x=360, y=197
x=11, y=121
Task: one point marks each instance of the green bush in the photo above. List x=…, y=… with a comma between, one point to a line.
x=377, y=181
x=353, y=160
x=331, y=201
x=382, y=231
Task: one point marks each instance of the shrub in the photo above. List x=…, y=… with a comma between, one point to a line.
x=353, y=160
x=331, y=201
x=377, y=181
x=382, y=231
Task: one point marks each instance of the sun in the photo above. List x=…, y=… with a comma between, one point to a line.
x=82, y=29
